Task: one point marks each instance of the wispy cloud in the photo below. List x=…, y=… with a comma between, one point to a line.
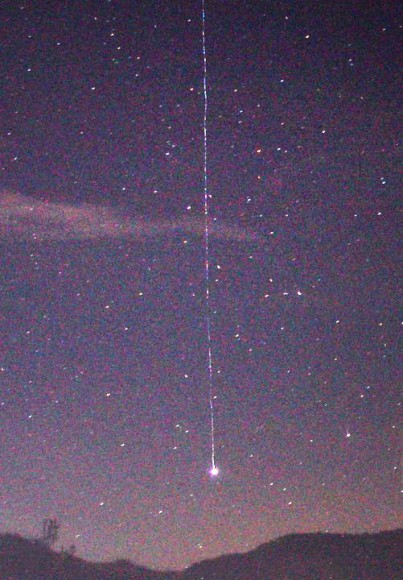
x=25, y=218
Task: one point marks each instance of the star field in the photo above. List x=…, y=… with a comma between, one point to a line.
x=104, y=385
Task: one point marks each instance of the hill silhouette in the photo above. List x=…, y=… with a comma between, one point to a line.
x=300, y=556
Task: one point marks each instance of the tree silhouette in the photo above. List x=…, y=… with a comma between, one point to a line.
x=70, y=552
x=50, y=531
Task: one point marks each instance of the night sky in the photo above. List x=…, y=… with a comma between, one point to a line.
x=104, y=393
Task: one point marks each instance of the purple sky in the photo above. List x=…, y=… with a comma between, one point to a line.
x=104, y=395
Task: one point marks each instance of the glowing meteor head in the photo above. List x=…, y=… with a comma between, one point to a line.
x=214, y=471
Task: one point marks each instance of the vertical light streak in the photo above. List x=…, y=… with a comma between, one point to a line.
x=213, y=470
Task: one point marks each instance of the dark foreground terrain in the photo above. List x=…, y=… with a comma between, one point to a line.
x=299, y=556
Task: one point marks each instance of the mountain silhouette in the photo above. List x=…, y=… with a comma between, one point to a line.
x=314, y=556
